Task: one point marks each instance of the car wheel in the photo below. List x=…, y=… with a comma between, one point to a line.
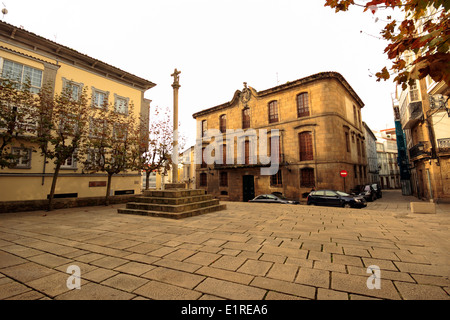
x=346, y=205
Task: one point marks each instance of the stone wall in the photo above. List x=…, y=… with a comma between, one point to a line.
x=35, y=205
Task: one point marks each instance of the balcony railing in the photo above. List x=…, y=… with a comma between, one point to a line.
x=412, y=114
x=417, y=151
x=444, y=145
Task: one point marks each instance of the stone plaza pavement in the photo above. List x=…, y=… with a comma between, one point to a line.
x=247, y=252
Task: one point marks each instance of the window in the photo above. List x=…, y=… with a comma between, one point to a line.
x=120, y=131
x=224, y=179
x=94, y=159
x=279, y=147
x=203, y=179
x=276, y=179
x=96, y=127
x=223, y=123
x=22, y=158
x=355, y=116
x=273, y=111
x=121, y=104
x=307, y=178
x=99, y=98
x=70, y=163
x=246, y=118
x=247, y=152
x=305, y=146
x=73, y=90
x=23, y=75
x=203, y=165
x=355, y=168
x=204, y=128
x=224, y=154
x=347, y=141
x=23, y=117
x=414, y=92
x=68, y=124
x=302, y=105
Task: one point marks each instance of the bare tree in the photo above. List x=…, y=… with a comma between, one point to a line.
x=113, y=143
x=62, y=125
x=157, y=157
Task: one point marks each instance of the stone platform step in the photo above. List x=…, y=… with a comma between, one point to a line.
x=174, y=215
x=172, y=208
x=173, y=193
x=172, y=201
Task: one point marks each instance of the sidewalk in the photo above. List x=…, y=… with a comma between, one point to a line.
x=249, y=251
x=394, y=200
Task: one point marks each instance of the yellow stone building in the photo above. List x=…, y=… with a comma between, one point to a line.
x=320, y=134
x=23, y=52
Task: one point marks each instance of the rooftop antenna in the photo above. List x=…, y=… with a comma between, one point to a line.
x=4, y=10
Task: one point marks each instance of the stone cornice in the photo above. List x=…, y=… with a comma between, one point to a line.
x=287, y=86
x=30, y=41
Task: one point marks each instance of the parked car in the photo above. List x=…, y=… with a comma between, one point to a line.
x=273, y=198
x=335, y=198
x=368, y=192
x=377, y=189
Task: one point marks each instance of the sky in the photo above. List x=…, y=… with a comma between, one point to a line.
x=220, y=44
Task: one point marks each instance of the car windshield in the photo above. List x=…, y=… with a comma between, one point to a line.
x=281, y=196
x=342, y=194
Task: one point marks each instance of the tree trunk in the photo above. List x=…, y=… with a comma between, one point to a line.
x=108, y=189
x=147, y=175
x=53, y=187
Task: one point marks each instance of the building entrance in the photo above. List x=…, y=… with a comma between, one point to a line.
x=248, y=183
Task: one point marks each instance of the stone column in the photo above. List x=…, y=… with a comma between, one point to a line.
x=176, y=85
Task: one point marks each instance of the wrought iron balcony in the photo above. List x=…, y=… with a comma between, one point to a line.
x=418, y=151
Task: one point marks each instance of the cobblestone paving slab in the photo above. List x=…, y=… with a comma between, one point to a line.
x=248, y=251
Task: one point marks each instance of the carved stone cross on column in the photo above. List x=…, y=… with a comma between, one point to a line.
x=176, y=77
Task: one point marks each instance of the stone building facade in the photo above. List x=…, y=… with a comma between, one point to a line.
x=25, y=54
x=387, y=155
x=371, y=154
x=320, y=131
x=425, y=118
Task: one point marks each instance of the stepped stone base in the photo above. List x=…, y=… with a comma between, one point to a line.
x=174, y=203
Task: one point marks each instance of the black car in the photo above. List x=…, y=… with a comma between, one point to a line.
x=368, y=192
x=272, y=198
x=377, y=189
x=335, y=198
